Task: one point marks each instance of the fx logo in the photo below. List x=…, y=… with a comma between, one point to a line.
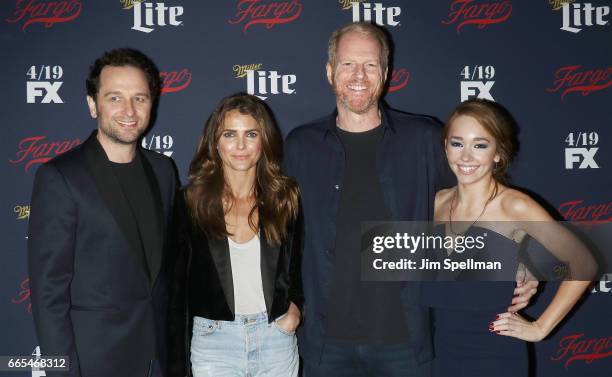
x=478, y=89
x=586, y=157
x=45, y=89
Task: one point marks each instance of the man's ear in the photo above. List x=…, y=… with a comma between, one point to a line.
x=91, y=103
x=330, y=72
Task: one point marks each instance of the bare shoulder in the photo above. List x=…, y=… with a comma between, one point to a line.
x=519, y=206
x=442, y=203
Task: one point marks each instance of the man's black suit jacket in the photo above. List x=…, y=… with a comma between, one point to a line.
x=92, y=297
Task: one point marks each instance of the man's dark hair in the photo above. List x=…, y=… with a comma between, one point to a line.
x=122, y=57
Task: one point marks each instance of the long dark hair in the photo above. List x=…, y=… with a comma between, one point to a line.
x=276, y=196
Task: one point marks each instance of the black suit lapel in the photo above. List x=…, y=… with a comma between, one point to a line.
x=110, y=191
x=156, y=256
x=269, y=262
x=219, y=250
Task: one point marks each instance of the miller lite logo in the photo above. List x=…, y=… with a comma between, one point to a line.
x=149, y=15
x=478, y=13
x=604, y=285
x=265, y=12
x=45, y=12
x=578, y=15
x=263, y=83
x=22, y=211
x=399, y=79
x=574, y=78
x=174, y=81
x=558, y=4
x=36, y=150
x=373, y=12
x=576, y=347
x=578, y=211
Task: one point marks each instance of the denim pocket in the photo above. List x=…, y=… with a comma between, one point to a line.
x=204, y=326
x=281, y=330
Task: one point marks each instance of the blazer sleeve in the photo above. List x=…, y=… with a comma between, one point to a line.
x=178, y=311
x=51, y=249
x=296, y=293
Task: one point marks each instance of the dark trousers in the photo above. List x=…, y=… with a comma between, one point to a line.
x=365, y=360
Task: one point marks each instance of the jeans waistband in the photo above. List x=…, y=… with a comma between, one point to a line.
x=241, y=319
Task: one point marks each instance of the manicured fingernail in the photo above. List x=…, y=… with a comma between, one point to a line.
x=497, y=332
x=497, y=316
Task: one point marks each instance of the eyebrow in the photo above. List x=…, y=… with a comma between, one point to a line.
x=476, y=138
x=115, y=92
x=235, y=130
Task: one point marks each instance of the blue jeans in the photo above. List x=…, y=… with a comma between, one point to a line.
x=365, y=360
x=247, y=346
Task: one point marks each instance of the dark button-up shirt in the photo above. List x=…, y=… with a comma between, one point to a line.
x=411, y=168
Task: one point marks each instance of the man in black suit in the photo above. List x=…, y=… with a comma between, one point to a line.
x=97, y=231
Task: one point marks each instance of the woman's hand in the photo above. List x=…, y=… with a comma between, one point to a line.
x=512, y=324
x=290, y=321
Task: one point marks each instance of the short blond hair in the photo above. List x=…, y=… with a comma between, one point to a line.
x=363, y=28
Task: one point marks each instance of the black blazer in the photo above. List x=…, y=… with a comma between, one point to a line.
x=94, y=296
x=202, y=283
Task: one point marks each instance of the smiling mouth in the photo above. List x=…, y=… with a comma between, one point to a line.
x=357, y=87
x=467, y=169
x=130, y=124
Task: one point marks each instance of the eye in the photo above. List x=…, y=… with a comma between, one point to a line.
x=115, y=98
x=252, y=134
x=227, y=134
x=481, y=146
x=456, y=144
x=142, y=99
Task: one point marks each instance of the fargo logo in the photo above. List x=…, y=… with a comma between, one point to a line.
x=147, y=15
x=575, y=347
x=374, y=12
x=35, y=150
x=48, y=13
x=23, y=296
x=174, y=81
x=399, y=79
x=478, y=13
x=266, y=13
x=574, y=78
x=578, y=15
x=579, y=211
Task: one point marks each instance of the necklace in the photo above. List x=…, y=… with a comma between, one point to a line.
x=484, y=208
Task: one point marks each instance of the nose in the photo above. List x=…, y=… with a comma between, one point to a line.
x=466, y=154
x=241, y=143
x=360, y=71
x=129, y=108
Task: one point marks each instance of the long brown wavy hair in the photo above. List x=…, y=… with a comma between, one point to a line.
x=276, y=196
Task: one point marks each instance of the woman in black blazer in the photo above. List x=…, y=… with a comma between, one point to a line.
x=236, y=292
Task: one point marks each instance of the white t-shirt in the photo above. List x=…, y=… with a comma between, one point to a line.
x=246, y=274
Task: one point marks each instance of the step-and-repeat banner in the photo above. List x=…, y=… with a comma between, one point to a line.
x=548, y=61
